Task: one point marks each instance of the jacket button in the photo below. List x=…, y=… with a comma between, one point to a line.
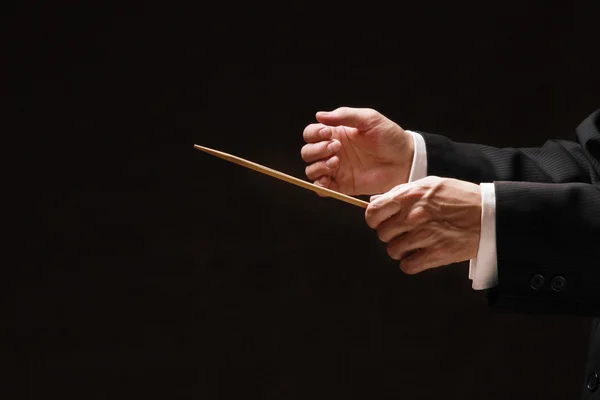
x=558, y=283
x=537, y=281
x=593, y=382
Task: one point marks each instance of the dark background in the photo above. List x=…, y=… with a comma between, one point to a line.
x=147, y=269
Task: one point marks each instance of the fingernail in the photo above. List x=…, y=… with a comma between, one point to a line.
x=334, y=146
x=325, y=133
x=332, y=162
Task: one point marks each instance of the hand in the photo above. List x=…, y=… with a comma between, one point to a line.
x=428, y=223
x=357, y=151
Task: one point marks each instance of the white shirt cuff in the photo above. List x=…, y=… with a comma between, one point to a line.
x=483, y=269
x=419, y=164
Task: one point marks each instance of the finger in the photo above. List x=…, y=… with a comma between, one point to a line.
x=323, y=181
x=374, y=197
x=383, y=207
x=317, y=151
x=316, y=132
x=348, y=116
x=394, y=226
x=419, y=261
x=399, y=247
x=324, y=167
x=327, y=183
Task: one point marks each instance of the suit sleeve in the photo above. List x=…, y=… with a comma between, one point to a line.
x=556, y=161
x=547, y=217
x=548, y=247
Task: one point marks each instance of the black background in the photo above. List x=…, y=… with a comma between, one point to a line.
x=147, y=269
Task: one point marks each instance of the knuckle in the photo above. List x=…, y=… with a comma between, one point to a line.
x=304, y=153
x=371, y=116
x=406, y=266
x=370, y=218
x=392, y=253
x=371, y=113
x=322, y=148
x=309, y=171
x=306, y=132
x=416, y=192
x=437, y=181
x=417, y=216
x=310, y=131
x=397, y=194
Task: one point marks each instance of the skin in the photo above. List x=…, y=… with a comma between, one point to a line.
x=364, y=151
x=427, y=223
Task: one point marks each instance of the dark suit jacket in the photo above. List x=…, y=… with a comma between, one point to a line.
x=547, y=223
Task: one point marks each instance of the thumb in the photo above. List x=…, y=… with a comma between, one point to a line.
x=348, y=116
